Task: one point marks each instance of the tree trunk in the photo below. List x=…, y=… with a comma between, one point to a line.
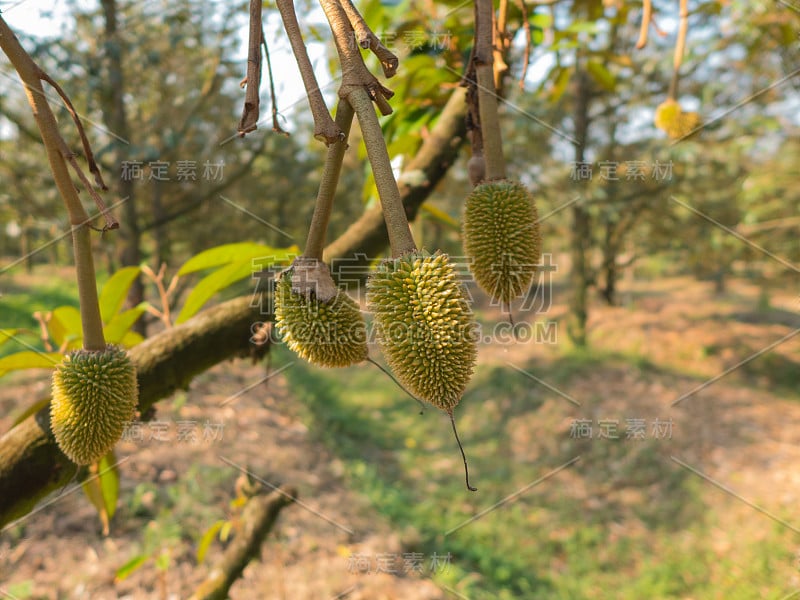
x=580, y=276
x=113, y=107
x=610, y=271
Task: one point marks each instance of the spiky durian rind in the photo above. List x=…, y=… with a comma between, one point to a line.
x=671, y=118
x=329, y=334
x=94, y=398
x=501, y=237
x=424, y=326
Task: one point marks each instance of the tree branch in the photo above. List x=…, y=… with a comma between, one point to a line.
x=258, y=517
x=324, y=127
x=250, y=112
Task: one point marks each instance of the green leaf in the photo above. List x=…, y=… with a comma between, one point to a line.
x=121, y=324
x=441, y=216
x=228, y=253
x=205, y=541
x=7, y=334
x=130, y=339
x=129, y=567
x=225, y=531
x=582, y=27
x=103, y=489
x=541, y=20
x=20, y=590
x=115, y=291
x=29, y=359
x=163, y=561
x=65, y=325
x=211, y=284
x=32, y=409
x=560, y=84
x=601, y=75
x=237, y=261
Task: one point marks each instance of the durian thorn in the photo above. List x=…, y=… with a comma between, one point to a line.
x=460, y=447
x=400, y=385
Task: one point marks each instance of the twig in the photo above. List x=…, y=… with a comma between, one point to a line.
x=367, y=39
x=111, y=222
x=647, y=15
x=250, y=112
x=258, y=518
x=500, y=42
x=526, y=56
x=44, y=335
x=324, y=128
x=276, y=127
x=680, y=46
x=309, y=274
x=87, y=148
x=476, y=166
x=163, y=293
x=354, y=72
x=487, y=92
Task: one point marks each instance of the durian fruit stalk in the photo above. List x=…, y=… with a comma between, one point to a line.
x=327, y=333
x=94, y=396
x=501, y=237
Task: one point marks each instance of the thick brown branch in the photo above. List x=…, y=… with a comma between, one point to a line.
x=257, y=519
x=487, y=91
x=250, y=112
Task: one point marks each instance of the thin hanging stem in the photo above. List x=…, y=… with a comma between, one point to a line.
x=680, y=47
x=400, y=385
x=460, y=447
x=276, y=127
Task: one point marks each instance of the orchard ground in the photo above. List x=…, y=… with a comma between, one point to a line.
x=628, y=471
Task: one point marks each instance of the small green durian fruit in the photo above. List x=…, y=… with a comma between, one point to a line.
x=95, y=394
x=425, y=329
x=327, y=328
x=424, y=326
x=501, y=236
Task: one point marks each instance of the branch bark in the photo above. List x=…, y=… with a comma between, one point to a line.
x=258, y=517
